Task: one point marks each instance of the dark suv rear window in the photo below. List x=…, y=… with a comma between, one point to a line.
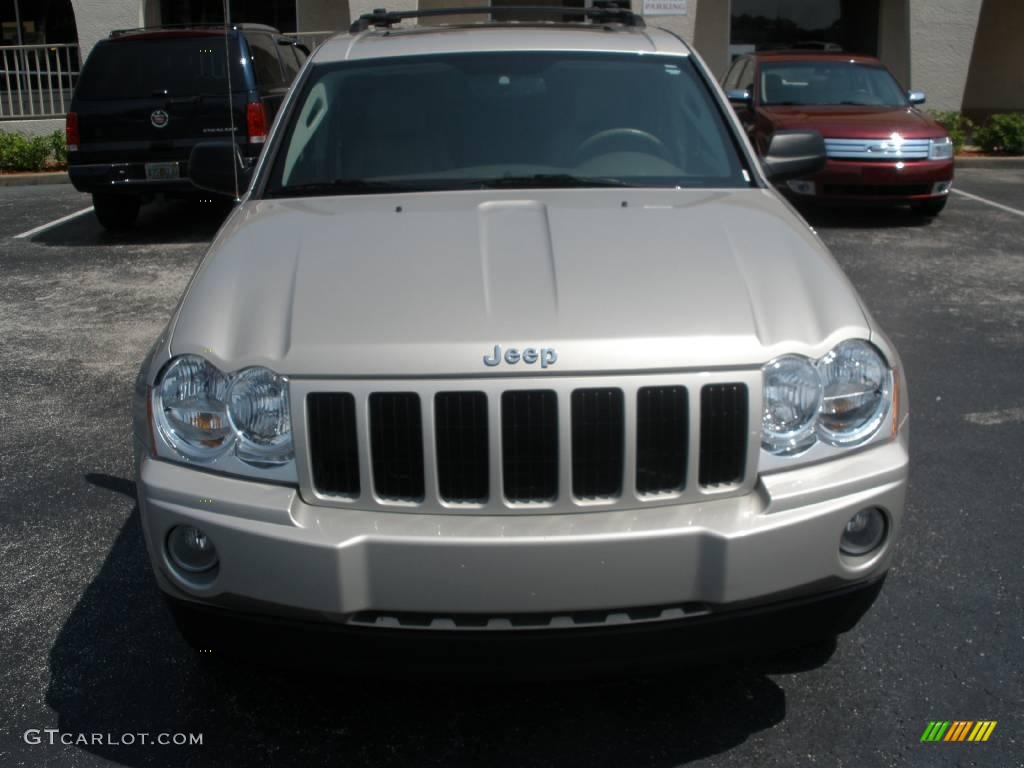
x=145, y=67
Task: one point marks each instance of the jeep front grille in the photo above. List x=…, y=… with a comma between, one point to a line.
x=332, y=442
x=460, y=424
x=661, y=439
x=529, y=445
x=505, y=445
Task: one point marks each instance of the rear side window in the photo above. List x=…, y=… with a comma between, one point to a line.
x=265, y=64
x=148, y=67
x=289, y=60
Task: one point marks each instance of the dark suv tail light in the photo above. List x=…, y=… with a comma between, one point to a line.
x=71, y=131
x=256, y=122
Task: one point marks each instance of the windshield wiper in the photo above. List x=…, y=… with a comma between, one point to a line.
x=347, y=187
x=552, y=181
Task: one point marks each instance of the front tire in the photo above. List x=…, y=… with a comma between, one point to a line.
x=116, y=213
x=929, y=208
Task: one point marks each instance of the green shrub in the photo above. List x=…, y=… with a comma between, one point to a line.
x=21, y=153
x=1003, y=134
x=958, y=126
x=59, y=147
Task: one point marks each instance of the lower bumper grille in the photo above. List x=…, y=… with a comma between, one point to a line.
x=498, y=447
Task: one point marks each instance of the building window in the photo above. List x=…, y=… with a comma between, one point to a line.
x=277, y=13
x=851, y=25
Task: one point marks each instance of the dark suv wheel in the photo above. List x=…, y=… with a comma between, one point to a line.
x=116, y=212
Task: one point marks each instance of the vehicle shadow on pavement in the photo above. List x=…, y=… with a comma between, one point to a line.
x=161, y=222
x=118, y=667
x=843, y=217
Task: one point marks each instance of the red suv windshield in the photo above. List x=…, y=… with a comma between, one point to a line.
x=826, y=83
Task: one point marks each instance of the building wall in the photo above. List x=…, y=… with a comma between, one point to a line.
x=995, y=82
x=941, y=43
x=321, y=15
x=711, y=27
x=894, y=38
x=95, y=19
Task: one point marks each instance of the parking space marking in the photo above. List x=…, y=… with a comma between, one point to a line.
x=993, y=203
x=54, y=223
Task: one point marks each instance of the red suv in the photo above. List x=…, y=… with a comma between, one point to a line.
x=881, y=148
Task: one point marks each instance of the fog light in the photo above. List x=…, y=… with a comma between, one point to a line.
x=942, y=187
x=191, y=549
x=801, y=187
x=864, y=533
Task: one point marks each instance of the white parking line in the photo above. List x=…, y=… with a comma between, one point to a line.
x=54, y=223
x=993, y=203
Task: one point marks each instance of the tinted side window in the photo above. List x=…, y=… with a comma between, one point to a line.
x=265, y=64
x=289, y=60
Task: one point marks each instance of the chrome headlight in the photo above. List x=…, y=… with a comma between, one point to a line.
x=841, y=400
x=201, y=413
x=858, y=389
x=792, y=398
x=940, y=149
x=191, y=408
x=259, y=411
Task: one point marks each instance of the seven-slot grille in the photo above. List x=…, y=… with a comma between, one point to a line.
x=530, y=447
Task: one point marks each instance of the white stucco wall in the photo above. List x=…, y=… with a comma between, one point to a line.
x=95, y=19
x=32, y=127
x=941, y=43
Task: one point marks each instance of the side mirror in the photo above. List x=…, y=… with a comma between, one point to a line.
x=215, y=166
x=792, y=154
x=740, y=99
x=916, y=97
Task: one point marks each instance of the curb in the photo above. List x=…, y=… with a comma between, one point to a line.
x=33, y=179
x=1005, y=163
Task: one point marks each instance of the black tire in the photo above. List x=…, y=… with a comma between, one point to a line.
x=116, y=213
x=929, y=208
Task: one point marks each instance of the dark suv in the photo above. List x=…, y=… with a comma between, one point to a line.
x=147, y=96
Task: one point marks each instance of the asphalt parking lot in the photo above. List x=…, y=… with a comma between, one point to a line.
x=86, y=645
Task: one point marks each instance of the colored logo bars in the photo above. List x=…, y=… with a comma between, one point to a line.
x=958, y=730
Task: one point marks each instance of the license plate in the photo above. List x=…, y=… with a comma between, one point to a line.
x=162, y=171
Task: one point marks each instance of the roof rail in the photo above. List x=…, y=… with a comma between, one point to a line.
x=601, y=12
x=187, y=25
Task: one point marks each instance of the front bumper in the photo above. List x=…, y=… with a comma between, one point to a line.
x=876, y=182
x=280, y=556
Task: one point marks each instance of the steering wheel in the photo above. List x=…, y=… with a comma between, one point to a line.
x=586, y=148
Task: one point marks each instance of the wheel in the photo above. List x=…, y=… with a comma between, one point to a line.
x=929, y=207
x=116, y=212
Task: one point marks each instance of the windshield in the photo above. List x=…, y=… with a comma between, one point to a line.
x=465, y=121
x=159, y=66
x=827, y=83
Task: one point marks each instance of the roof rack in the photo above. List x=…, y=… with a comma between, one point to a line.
x=601, y=12
x=186, y=26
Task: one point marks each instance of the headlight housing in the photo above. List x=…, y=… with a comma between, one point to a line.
x=841, y=400
x=192, y=416
x=260, y=413
x=857, y=391
x=792, y=399
x=940, y=149
x=207, y=416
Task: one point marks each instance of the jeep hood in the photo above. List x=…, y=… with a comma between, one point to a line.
x=428, y=284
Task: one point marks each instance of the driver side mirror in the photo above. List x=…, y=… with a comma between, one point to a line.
x=792, y=154
x=217, y=166
x=740, y=99
x=916, y=97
